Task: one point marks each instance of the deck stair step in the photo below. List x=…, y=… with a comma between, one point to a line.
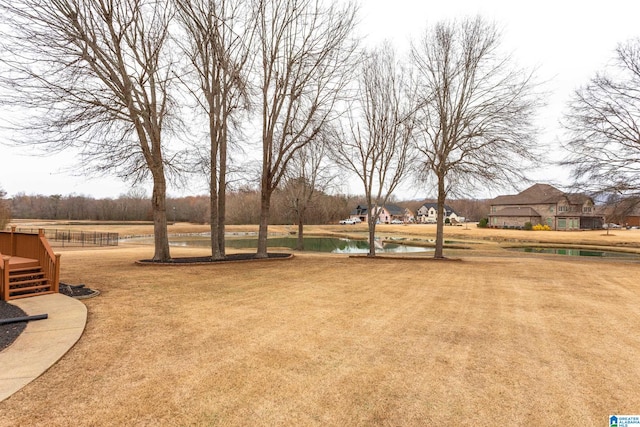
x=28, y=280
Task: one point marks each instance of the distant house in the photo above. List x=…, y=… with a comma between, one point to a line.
x=544, y=204
x=386, y=214
x=625, y=213
x=632, y=218
x=428, y=214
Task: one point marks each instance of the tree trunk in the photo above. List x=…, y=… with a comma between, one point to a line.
x=371, y=222
x=372, y=238
x=222, y=197
x=222, y=253
x=300, y=242
x=159, y=205
x=440, y=222
x=213, y=200
x=265, y=204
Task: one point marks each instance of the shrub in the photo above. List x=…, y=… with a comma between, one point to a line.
x=483, y=223
x=528, y=226
x=541, y=227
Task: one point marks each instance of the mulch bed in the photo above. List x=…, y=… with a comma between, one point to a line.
x=9, y=333
x=209, y=260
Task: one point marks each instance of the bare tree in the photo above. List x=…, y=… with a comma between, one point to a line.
x=96, y=75
x=5, y=212
x=603, y=127
x=220, y=34
x=476, y=111
x=304, y=50
x=376, y=144
x=309, y=174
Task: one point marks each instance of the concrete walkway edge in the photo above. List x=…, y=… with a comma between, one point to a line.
x=43, y=342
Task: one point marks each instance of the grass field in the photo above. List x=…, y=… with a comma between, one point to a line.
x=488, y=337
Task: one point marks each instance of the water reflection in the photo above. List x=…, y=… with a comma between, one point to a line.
x=576, y=252
x=315, y=244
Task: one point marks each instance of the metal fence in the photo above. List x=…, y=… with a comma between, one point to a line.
x=76, y=238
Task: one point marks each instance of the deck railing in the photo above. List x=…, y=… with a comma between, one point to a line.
x=4, y=277
x=27, y=245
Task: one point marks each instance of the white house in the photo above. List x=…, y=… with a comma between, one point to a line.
x=428, y=214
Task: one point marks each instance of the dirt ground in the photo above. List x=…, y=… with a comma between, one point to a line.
x=490, y=338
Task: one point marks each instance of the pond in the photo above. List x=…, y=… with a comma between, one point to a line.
x=315, y=244
x=577, y=252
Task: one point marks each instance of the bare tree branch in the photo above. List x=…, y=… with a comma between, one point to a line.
x=95, y=75
x=375, y=145
x=219, y=35
x=603, y=128
x=304, y=48
x=476, y=111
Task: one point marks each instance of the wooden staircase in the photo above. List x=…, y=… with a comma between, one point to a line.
x=28, y=265
x=27, y=279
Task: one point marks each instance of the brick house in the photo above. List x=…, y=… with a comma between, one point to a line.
x=544, y=204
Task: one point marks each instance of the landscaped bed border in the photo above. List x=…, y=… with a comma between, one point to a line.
x=206, y=260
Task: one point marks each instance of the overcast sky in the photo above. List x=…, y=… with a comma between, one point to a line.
x=567, y=41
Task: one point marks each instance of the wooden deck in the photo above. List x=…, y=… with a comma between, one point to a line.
x=28, y=265
x=20, y=262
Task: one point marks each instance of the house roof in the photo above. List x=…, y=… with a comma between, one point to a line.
x=394, y=209
x=539, y=194
x=359, y=210
x=516, y=211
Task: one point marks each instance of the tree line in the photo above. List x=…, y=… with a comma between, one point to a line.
x=243, y=207
x=281, y=93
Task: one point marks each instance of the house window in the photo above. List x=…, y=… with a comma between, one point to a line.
x=550, y=208
x=493, y=209
x=586, y=209
x=562, y=223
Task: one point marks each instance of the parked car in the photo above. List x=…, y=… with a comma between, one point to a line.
x=397, y=221
x=610, y=225
x=348, y=221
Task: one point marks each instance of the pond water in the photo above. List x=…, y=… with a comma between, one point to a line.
x=577, y=252
x=315, y=244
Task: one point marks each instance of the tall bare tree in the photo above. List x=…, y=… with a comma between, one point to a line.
x=304, y=49
x=376, y=142
x=220, y=35
x=603, y=127
x=476, y=112
x=96, y=75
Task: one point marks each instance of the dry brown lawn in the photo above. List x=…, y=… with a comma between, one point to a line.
x=329, y=340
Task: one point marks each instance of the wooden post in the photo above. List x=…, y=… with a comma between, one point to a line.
x=12, y=241
x=4, y=283
x=56, y=276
